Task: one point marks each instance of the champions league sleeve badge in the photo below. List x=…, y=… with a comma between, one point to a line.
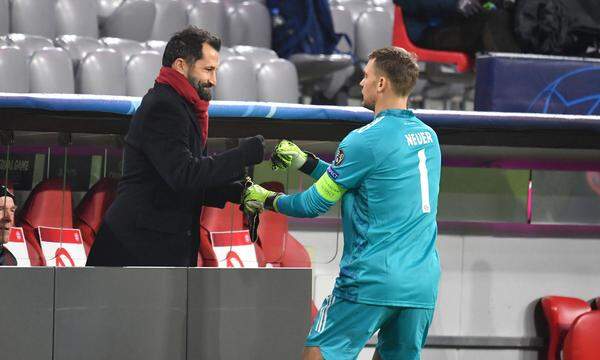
x=339, y=157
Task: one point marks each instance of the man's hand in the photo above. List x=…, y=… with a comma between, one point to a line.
x=252, y=149
x=287, y=154
x=469, y=7
x=256, y=199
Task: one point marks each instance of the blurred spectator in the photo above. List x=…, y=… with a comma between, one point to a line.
x=7, y=220
x=460, y=25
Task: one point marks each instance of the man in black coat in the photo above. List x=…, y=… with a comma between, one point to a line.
x=167, y=177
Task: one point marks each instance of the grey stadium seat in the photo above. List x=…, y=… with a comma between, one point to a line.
x=373, y=31
x=278, y=82
x=343, y=24
x=356, y=7
x=209, y=15
x=171, y=17
x=132, y=19
x=157, y=45
x=101, y=72
x=226, y=53
x=4, y=17
x=33, y=17
x=77, y=17
x=249, y=23
x=78, y=46
x=51, y=71
x=142, y=69
x=127, y=48
x=256, y=55
x=236, y=80
x=29, y=43
x=14, y=70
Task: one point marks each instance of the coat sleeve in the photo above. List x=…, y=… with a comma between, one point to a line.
x=166, y=144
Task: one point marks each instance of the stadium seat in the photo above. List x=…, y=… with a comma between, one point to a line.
x=256, y=55
x=90, y=211
x=33, y=17
x=131, y=19
x=78, y=46
x=142, y=69
x=249, y=23
x=236, y=80
x=51, y=71
x=462, y=61
x=127, y=48
x=171, y=17
x=29, y=43
x=43, y=208
x=209, y=15
x=373, y=31
x=77, y=17
x=278, y=82
x=560, y=312
x=227, y=52
x=343, y=24
x=582, y=342
x=215, y=220
x=157, y=45
x=4, y=17
x=101, y=72
x=356, y=7
x=14, y=69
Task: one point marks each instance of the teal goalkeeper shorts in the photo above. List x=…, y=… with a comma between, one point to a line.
x=342, y=328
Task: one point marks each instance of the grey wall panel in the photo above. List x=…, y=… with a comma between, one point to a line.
x=504, y=277
x=265, y=313
x=27, y=296
x=116, y=313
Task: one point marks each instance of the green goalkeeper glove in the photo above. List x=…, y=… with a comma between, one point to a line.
x=256, y=199
x=287, y=154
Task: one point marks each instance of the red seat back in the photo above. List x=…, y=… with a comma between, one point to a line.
x=560, y=312
x=43, y=208
x=583, y=340
x=91, y=209
x=230, y=218
x=462, y=61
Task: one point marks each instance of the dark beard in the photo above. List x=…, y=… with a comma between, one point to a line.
x=369, y=106
x=204, y=92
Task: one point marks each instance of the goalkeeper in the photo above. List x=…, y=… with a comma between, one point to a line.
x=387, y=175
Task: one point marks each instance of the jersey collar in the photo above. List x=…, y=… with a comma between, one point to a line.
x=396, y=112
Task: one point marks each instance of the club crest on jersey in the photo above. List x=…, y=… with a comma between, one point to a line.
x=339, y=157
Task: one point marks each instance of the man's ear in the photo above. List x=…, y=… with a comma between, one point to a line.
x=180, y=65
x=381, y=84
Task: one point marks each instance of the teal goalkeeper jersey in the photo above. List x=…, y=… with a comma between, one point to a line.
x=391, y=170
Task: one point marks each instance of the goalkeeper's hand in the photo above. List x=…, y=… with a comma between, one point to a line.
x=286, y=155
x=256, y=199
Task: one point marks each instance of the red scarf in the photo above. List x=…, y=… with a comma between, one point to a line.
x=183, y=87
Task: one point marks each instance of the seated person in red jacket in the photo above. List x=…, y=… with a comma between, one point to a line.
x=7, y=220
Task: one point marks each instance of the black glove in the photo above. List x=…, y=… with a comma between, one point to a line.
x=233, y=192
x=252, y=149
